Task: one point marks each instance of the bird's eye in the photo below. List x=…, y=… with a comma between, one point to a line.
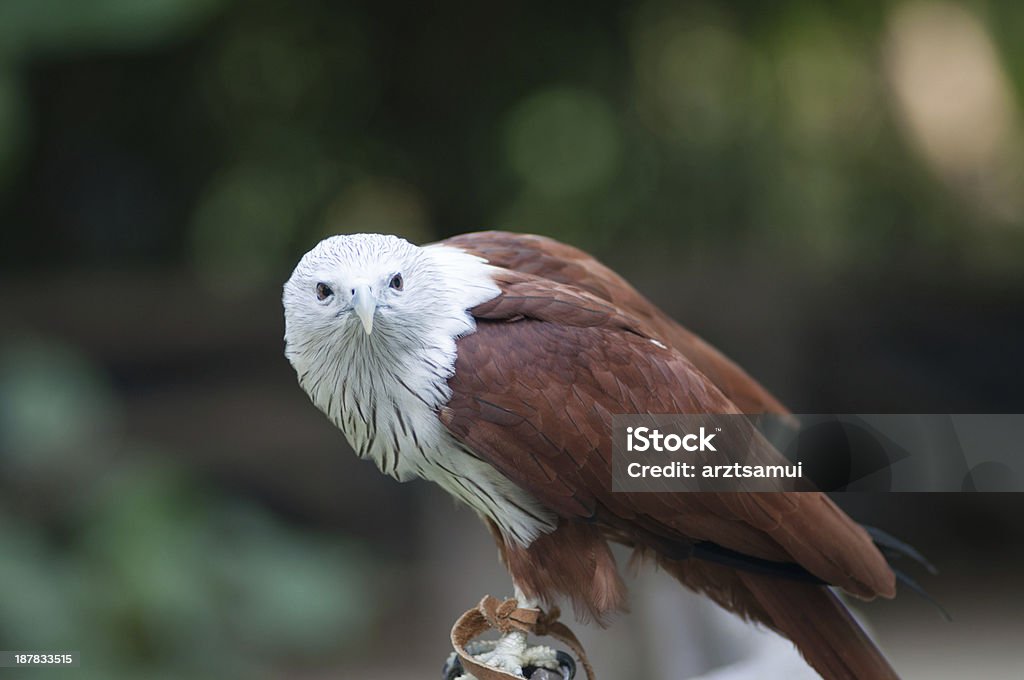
x=323, y=291
x=397, y=282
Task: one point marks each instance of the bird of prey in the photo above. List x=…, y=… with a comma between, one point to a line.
x=492, y=363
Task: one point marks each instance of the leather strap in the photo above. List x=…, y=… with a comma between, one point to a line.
x=505, y=617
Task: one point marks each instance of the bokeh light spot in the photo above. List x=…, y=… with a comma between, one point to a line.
x=562, y=141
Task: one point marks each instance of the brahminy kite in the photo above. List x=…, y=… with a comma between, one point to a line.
x=492, y=363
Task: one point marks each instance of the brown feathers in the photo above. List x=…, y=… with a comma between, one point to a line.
x=561, y=263
x=567, y=345
x=575, y=561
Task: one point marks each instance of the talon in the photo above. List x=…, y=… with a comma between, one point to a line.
x=511, y=654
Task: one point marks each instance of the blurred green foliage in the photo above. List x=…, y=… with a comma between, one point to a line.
x=109, y=548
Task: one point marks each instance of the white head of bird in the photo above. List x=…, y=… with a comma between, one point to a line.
x=370, y=328
x=375, y=298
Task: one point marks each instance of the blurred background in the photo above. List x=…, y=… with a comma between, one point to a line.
x=832, y=195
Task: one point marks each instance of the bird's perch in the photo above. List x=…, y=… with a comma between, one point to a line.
x=508, y=617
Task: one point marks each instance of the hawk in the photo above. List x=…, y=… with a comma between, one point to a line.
x=492, y=363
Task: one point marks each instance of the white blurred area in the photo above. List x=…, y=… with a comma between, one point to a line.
x=956, y=103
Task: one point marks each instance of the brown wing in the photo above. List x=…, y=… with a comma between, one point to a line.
x=533, y=394
x=550, y=259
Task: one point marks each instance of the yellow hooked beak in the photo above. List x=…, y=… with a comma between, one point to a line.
x=364, y=305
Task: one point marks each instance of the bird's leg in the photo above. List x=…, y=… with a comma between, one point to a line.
x=511, y=652
x=525, y=602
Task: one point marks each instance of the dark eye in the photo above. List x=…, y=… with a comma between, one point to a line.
x=397, y=282
x=323, y=291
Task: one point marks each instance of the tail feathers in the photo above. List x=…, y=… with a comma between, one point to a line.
x=821, y=628
x=809, y=615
